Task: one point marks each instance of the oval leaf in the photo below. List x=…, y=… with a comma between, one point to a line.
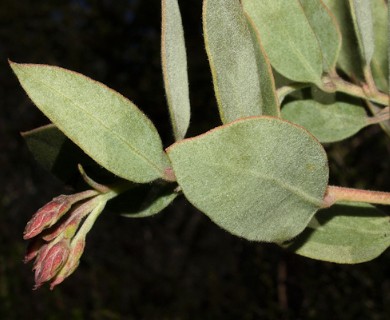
x=345, y=233
x=260, y=178
x=362, y=20
x=288, y=38
x=379, y=62
x=328, y=123
x=174, y=67
x=266, y=77
x=103, y=123
x=326, y=30
x=349, y=58
x=232, y=60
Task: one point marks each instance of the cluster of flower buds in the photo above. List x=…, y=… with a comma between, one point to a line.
x=57, y=235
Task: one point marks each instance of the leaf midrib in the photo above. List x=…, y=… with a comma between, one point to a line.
x=303, y=195
x=91, y=115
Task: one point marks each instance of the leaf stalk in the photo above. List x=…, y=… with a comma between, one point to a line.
x=336, y=194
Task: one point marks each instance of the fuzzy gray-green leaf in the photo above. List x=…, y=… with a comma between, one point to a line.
x=288, y=38
x=267, y=80
x=103, y=123
x=326, y=30
x=345, y=233
x=362, y=20
x=174, y=66
x=260, y=178
x=349, y=58
x=232, y=60
x=379, y=62
x=328, y=123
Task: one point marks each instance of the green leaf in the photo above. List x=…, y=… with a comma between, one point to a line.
x=379, y=62
x=328, y=123
x=266, y=77
x=55, y=152
x=345, y=233
x=260, y=178
x=174, y=67
x=104, y=124
x=144, y=200
x=288, y=38
x=362, y=20
x=326, y=30
x=349, y=58
x=232, y=60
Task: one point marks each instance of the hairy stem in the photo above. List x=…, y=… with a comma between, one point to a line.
x=335, y=83
x=337, y=194
x=371, y=87
x=380, y=116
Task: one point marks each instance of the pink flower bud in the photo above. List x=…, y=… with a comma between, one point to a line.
x=68, y=227
x=50, y=261
x=71, y=264
x=47, y=216
x=50, y=213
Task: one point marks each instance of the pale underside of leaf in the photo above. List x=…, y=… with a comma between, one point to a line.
x=107, y=126
x=271, y=106
x=174, y=66
x=232, y=59
x=288, y=38
x=260, y=178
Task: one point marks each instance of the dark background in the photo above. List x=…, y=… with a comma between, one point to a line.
x=176, y=265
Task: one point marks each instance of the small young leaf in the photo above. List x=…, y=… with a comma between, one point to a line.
x=266, y=77
x=344, y=233
x=326, y=30
x=288, y=38
x=328, y=123
x=260, y=178
x=103, y=123
x=55, y=152
x=174, y=66
x=362, y=20
x=232, y=60
x=349, y=58
x=379, y=62
x=144, y=200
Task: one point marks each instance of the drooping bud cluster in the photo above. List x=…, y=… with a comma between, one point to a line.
x=57, y=240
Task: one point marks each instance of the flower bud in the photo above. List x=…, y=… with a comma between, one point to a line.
x=50, y=213
x=49, y=261
x=71, y=264
x=47, y=216
x=68, y=227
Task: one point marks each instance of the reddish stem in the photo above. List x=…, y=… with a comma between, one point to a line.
x=336, y=194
